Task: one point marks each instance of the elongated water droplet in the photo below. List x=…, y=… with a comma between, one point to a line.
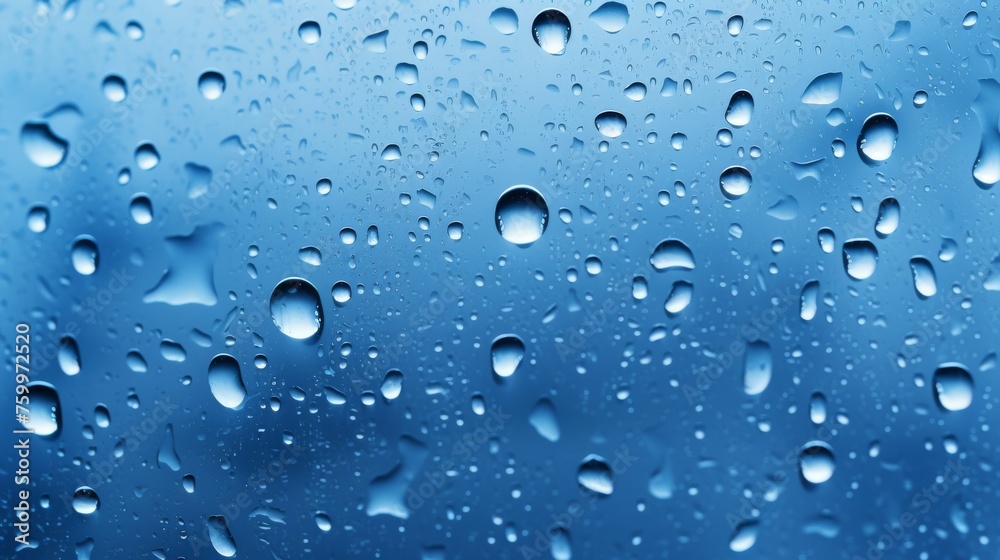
x=672, y=254
x=392, y=384
x=226, y=381
x=817, y=408
x=220, y=537
x=860, y=258
x=506, y=354
x=521, y=215
x=69, y=356
x=953, y=387
x=744, y=536
x=877, y=139
x=986, y=169
x=888, y=217
x=296, y=308
x=679, y=298
x=824, y=89
x=809, y=301
x=740, y=109
x=543, y=419
x=757, y=367
x=551, y=30
x=84, y=255
x=44, y=411
x=924, y=279
x=827, y=240
x=596, y=475
x=504, y=20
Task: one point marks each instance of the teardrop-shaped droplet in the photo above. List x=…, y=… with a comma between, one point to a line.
x=735, y=182
x=543, y=419
x=888, y=217
x=924, y=279
x=611, y=124
x=860, y=258
x=672, y=254
x=740, y=109
x=816, y=462
x=757, y=363
x=610, y=16
x=877, y=139
x=680, y=297
x=551, y=30
x=42, y=146
x=953, y=387
x=521, y=215
x=296, y=308
x=744, y=536
x=226, y=381
x=84, y=255
x=506, y=354
x=220, y=537
x=596, y=475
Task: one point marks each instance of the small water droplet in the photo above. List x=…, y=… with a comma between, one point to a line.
x=309, y=32
x=735, y=25
x=888, y=217
x=924, y=279
x=146, y=156
x=114, y=88
x=824, y=89
x=38, y=218
x=392, y=385
x=141, y=209
x=757, y=364
x=42, y=146
x=226, y=381
x=610, y=16
x=341, y=293
x=744, y=536
x=220, y=537
x=680, y=297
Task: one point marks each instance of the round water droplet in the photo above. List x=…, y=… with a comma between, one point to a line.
x=611, y=16
x=134, y=30
x=551, y=30
x=42, y=146
x=296, y=308
x=211, y=84
x=504, y=20
x=84, y=255
x=953, y=387
x=920, y=98
x=309, y=32
x=341, y=293
x=611, y=124
x=740, y=109
x=735, y=182
x=114, y=88
x=348, y=236
x=672, y=254
x=596, y=475
x=44, y=412
x=38, y=218
x=506, y=354
x=816, y=462
x=141, y=209
x=860, y=258
x=877, y=139
x=85, y=500
x=521, y=215
x=146, y=156
x=735, y=25
x=226, y=382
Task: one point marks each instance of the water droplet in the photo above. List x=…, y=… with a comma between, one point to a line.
x=69, y=356
x=640, y=288
x=309, y=32
x=348, y=236
x=506, y=354
x=611, y=124
x=888, y=217
x=672, y=254
x=114, y=88
x=167, y=455
x=744, y=536
x=392, y=385
x=680, y=297
x=920, y=98
x=42, y=146
x=38, y=218
x=391, y=153
x=211, y=84
x=827, y=240
x=226, y=381
x=809, y=302
x=817, y=408
x=986, y=169
x=311, y=256
x=296, y=308
x=504, y=20
x=877, y=139
x=593, y=265
x=735, y=182
x=970, y=19
x=417, y=102
x=824, y=89
x=740, y=109
x=611, y=16
x=341, y=292
x=757, y=364
x=816, y=462
x=220, y=537
x=543, y=419
x=146, y=156
x=521, y=215
x=953, y=387
x=141, y=209
x=636, y=91
x=860, y=258
x=85, y=500
x=84, y=255
x=407, y=73
x=324, y=522
x=596, y=475
x=44, y=411
x=735, y=25
x=924, y=279
x=551, y=30
x=455, y=231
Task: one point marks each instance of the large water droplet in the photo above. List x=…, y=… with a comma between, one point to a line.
x=551, y=30
x=69, y=356
x=146, y=156
x=141, y=209
x=735, y=182
x=986, y=169
x=85, y=500
x=816, y=462
x=296, y=308
x=596, y=475
x=824, y=89
x=679, y=298
x=953, y=387
x=506, y=354
x=222, y=540
x=735, y=25
x=877, y=139
x=84, y=255
x=757, y=363
x=924, y=279
x=44, y=412
x=115, y=89
x=38, y=218
x=504, y=20
x=888, y=217
x=392, y=385
x=309, y=32
x=611, y=17
x=226, y=381
x=42, y=146
x=809, y=302
x=521, y=215
x=211, y=84
x=672, y=254
x=740, y=109
x=611, y=124
x=860, y=258
x=744, y=536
